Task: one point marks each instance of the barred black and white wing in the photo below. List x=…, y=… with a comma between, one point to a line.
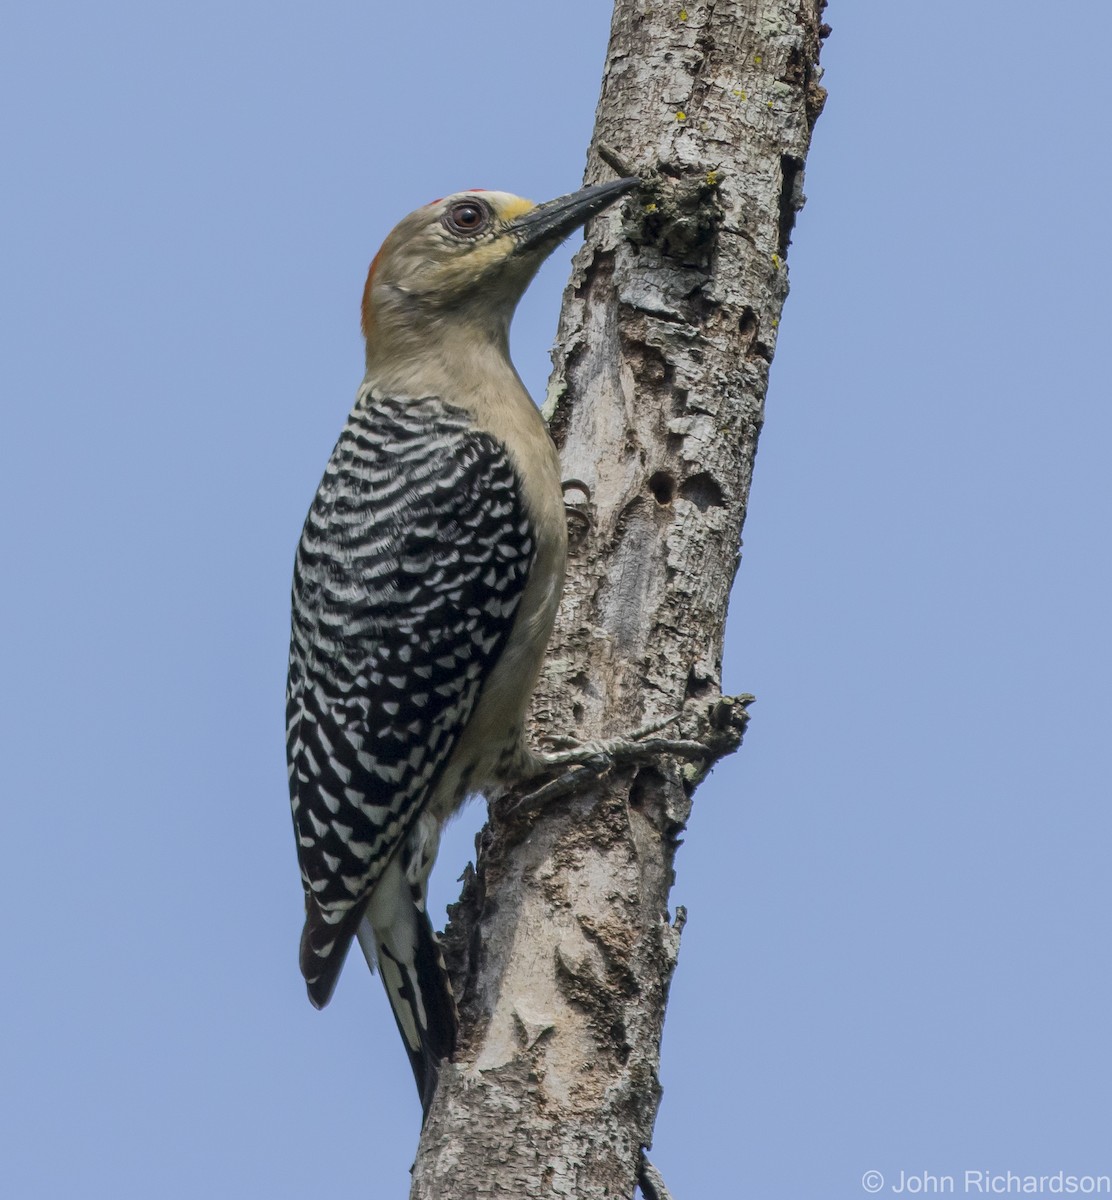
x=410, y=569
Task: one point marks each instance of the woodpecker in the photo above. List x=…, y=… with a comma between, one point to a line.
x=425, y=589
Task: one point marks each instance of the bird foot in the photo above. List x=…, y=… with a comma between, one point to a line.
x=595, y=758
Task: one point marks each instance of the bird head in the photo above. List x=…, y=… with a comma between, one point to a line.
x=469, y=257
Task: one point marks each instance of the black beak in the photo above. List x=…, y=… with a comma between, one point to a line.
x=549, y=223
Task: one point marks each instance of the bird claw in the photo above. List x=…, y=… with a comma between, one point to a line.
x=597, y=757
x=593, y=754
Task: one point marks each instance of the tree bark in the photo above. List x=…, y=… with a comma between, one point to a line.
x=562, y=947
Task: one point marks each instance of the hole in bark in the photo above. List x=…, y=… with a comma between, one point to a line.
x=791, y=197
x=697, y=686
x=703, y=491
x=663, y=487
x=702, y=306
x=747, y=326
x=645, y=783
x=793, y=68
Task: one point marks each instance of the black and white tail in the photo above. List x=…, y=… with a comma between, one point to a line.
x=396, y=936
x=325, y=941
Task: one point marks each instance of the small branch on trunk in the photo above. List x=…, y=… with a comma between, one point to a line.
x=650, y=1181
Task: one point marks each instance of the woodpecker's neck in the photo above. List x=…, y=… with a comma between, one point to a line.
x=444, y=354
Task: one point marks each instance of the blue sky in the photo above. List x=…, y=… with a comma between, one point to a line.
x=899, y=896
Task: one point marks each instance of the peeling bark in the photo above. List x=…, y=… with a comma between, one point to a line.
x=562, y=947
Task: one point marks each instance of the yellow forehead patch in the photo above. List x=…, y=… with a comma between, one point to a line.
x=509, y=208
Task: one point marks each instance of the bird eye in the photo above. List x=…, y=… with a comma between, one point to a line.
x=468, y=217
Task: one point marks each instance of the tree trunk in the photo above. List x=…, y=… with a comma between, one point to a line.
x=562, y=947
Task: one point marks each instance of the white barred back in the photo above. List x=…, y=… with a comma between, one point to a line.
x=410, y=568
